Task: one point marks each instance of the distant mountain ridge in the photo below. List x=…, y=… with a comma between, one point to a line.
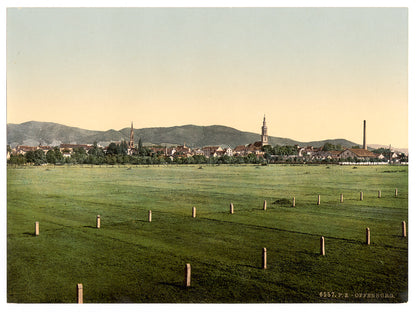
x=34, y=133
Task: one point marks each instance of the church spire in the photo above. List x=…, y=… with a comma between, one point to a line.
x=264, y=136
x=131, y=143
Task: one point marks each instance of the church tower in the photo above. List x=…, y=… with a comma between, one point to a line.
x=264, y=136
x=131, y=143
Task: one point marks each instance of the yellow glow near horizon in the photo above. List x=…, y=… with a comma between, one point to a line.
x=315, y=73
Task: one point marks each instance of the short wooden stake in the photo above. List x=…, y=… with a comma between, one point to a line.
x=80, y=293
x=265, y=205
x=404, y=228
x=361, y=195
x=98, y=221
x=36, y=228
x=395, y=192
x=294, y=202
x=341, y=198
x=231, y=208
x=150, y=216
x=367, y=238
x=379, y=194
x=187, y=281
x=264, y=262
x=193, y=212
x=319, y=199
x=322, y=246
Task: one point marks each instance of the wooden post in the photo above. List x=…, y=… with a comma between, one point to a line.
x=341, y=198
x=193, y=212
x=395, y=192
x=319, y=199
x=379, y=194
x=265, y=205
x=80, y=293
x=404, y=228
x=322, y=246
x=294, y=202
x=264, y=262
x=367, y=238
x=361, y=195
x=98, y=221
x=187, y=281
x=150, y=216
x=231, y=208
x=36, y=228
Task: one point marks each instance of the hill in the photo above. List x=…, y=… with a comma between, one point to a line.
x=33, y=133
x=395, y=149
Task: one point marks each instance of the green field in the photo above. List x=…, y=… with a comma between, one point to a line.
x=132, y=260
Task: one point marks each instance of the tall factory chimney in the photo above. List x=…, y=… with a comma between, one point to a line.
x=364, y=138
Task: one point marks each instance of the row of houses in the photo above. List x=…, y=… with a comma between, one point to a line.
x=180, y=151
x=308, y=153
x=349, y=153
x=185, y=151
x=211, y=151
x=65, y=149
x=353, y=153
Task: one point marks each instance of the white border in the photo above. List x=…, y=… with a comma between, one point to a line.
x=410, y=4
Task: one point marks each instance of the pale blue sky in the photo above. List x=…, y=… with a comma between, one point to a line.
x=315, y=72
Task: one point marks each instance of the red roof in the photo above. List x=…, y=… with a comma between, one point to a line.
x=86, y=146
x=362, y=152
x=240, y=148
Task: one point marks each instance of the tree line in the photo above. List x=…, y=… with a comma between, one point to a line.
x=117, y=154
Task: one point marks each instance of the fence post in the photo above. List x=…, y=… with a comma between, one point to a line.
x=322, y=246
x=367, y=238
x=264, y=262
x=265, y=205
x=395, y=192
x=231, y=208
x=341, y=198
x=294, y=202
x=98, y=221
x=193, y=212
x=319, y=199
x=150, y=216
x=404, y=228
x=80, y=293
x=379, y=194
x=36, y=228
x=187, y=281
x=361, y=195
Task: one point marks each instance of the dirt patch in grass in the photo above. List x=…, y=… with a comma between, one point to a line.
x=282, y=202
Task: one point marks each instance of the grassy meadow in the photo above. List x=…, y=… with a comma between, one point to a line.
x=132, y=260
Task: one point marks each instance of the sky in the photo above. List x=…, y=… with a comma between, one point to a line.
x=315, y=73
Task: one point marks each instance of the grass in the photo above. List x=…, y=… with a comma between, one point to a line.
x=131, y=260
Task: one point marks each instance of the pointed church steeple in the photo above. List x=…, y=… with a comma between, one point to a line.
x=131, y=143
x=264, y=136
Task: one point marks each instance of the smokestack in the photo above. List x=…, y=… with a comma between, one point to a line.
x=364, y=138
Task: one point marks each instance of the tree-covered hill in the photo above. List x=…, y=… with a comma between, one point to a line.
x=47, y=133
